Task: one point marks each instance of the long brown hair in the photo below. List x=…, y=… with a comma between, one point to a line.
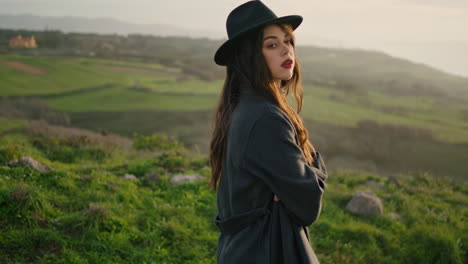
x=248, y=66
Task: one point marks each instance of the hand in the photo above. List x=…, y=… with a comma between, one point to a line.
x=276, y=198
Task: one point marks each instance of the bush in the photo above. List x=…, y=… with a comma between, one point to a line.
x=32, y=108
x=28, y=246
x=140, y=168
x=199, y=163
x=8, y=153
x=69, y=150
x=22, y=205
x=173, y=161
x=155, y=142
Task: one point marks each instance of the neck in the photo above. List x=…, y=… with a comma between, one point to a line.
x=277, y=83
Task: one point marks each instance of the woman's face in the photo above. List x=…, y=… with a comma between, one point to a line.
x=278, y=50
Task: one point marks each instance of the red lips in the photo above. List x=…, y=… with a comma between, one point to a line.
x=287, y=64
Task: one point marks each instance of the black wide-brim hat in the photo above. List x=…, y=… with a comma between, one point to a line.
x=246, y=18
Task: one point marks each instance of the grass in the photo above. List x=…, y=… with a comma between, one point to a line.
x=345, y=238
x=150, y=98
x=163, y=88
x=127, y=99
x=62, y=75
x=390, y=150
x=70, y=74
x=84, y=211
x=8, y=124
x=192, y=87
x=422, y=112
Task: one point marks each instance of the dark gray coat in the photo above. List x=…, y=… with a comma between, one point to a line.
x=263, y=158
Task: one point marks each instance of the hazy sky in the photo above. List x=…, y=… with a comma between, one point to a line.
x=430, y=31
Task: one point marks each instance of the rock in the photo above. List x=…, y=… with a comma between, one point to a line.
x=32, y=163
x=365, y=203
x=375, y=184
x=130, y=177
x=178, y=179
x=152, y=176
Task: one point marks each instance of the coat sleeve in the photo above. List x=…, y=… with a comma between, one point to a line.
x=273, y=155
x=320, y=165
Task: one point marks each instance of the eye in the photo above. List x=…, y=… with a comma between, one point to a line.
x=289, y=41
x=272, y=45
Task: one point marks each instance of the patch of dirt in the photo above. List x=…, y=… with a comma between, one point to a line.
x=24, y=67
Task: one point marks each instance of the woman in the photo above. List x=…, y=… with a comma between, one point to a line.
x=268, y=176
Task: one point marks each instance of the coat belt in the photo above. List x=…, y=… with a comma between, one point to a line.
x=238, y=222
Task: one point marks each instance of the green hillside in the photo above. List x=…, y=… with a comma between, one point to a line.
x=83, y=210
x=126, y=97
x=62, y=75
x=136, y=86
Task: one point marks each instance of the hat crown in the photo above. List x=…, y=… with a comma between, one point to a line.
x=247, y=16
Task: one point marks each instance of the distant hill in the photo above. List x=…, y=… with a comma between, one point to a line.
x=351, y=70
x=359, y=70
x=94, y=25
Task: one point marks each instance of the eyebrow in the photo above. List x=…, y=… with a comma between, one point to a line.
x=275, y=37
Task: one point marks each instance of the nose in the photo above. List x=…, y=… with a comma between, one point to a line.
x=287, y=49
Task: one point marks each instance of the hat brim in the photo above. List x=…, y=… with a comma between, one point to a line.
x=222, y=53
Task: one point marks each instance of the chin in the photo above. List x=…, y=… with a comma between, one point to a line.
x=284, y=76
x=287, y=77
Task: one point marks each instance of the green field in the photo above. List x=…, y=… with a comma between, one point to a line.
x=70, y=85
x=7, y=124
x=125, y=99
x=407, y=133
x=63, y=75
x=421, y=112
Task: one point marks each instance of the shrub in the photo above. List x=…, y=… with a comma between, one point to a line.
x=69, y=150
x=173, y=161
x=22, y=205
x=199, y=163
x=155, y=142
x=96, y=214
x=8, y=153
x=32, y=108
x=140, y=168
